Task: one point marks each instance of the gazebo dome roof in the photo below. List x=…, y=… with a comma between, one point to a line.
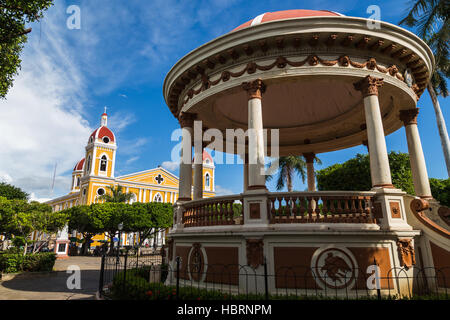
x=286, y=14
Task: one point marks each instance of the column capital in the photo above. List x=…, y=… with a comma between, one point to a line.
x=409, y=116
x=254, y=88
x=186, y=119
x=309, y=157
x=368, y=85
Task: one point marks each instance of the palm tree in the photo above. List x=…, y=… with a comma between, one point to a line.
x=287, y=167
x=117, y=195
x=432, y=20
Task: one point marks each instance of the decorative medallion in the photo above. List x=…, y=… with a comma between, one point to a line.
x=395, y=210
x=255, y=252
x=406, y=253
x=196, y=262
x=334, y=267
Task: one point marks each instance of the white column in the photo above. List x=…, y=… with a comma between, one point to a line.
x=256, y=180
x=185, y=183
x=416, y=157
x=245, y=176
x=198, y=169
x=379, y=162
x=310, y=171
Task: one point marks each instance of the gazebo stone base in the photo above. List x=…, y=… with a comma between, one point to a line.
x=314, y=262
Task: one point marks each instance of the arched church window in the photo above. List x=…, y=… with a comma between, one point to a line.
x=103, y=163
x=88, y=167
x=78, y=181
x=157, y=198
x=207, y=181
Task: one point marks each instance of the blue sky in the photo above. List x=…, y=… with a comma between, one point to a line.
x=119, y=59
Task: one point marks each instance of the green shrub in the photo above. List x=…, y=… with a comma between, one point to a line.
x=16, y=262
x=440, y=189
x=133, y=288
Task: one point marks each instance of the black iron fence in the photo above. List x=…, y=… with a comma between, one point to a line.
x=145, y=277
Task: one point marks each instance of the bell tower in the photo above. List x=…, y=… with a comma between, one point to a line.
x=101, y=151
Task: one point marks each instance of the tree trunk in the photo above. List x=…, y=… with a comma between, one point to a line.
x=445, y=142
x=111, y=245
x=289, y=180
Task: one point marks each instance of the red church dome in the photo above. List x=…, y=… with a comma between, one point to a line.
x=102, y=132
x=79, y=166
x=286, y=14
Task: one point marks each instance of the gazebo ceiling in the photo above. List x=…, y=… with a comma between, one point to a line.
x=313, y=114
x=309, y=65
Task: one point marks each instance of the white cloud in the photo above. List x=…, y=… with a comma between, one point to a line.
x=41, y=119
x=120, y=120
x=220, y=191
x=4, y=177
x=131, y=160
x=170, y=165
x=41, y=200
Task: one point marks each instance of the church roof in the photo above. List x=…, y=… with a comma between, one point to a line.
x=101, y=132
x=286, y=14
x=79, y=166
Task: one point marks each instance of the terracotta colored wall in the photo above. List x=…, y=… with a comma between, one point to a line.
x=293, y=267
x=223, y=265
x=441, y=260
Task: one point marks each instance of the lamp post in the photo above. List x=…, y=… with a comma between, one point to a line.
x=119, y=227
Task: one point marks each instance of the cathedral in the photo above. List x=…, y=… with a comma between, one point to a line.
x=93, y=174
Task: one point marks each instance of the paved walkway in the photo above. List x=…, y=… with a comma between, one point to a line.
x=53, y=286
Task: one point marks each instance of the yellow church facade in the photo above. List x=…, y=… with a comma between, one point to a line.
x=93, y=174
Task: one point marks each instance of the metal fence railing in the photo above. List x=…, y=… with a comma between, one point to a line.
x=145, y=277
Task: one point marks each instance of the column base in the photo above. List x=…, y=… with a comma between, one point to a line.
x=386, y=185
x=184, y=199
x=257, y=187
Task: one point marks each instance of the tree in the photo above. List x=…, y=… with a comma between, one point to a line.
x=354, y=174
x=46, y=222
x=11, y=192
x=82, y=220
x=287, y=167
x=431, y=17
x=14, y=15
x=107, y=216
x=148, y=219
x=19, y=219
x=440, y=189
x=145, y=218
x=117, y=195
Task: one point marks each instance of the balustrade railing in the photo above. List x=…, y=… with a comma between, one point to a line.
x=213, y=212
x=320, y=207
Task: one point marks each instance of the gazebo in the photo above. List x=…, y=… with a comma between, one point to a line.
x=323, y=82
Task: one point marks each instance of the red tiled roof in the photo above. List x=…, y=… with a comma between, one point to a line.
x=286, y=14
